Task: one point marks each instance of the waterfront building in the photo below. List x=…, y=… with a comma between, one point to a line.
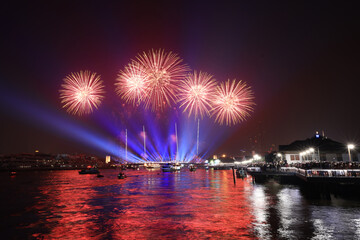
x=316, y=148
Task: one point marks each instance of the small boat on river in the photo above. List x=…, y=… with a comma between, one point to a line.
x=241, y=173
x=89, y=171
x=121, y=175
x=176, y=167
x=192, y=168
x=151, y=165
x=166, y=168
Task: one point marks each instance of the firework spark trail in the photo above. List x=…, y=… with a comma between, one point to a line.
x=132, y=84
x=233, y=102
x=165, y=71
x=81, y=92
x=196, y=92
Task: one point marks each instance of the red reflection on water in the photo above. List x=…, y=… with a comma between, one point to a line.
x=146, y=205
x=210, y=207
x=65, y=206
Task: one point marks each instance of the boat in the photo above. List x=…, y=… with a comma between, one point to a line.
x=166, y=168
x=176, y=167
x=192, y=168
x=89, y=171
x=121, y=175
x=151, y=165
x=241, y=173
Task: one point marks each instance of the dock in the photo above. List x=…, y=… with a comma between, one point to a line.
x=313, y=181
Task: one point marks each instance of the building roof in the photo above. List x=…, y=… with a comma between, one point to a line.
x=323, y=144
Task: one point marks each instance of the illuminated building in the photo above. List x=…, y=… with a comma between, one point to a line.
x=316, y=148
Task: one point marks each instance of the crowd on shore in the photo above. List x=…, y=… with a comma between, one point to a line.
x=327, y=165
x=273, y=166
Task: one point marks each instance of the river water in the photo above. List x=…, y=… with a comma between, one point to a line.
x=156, y=205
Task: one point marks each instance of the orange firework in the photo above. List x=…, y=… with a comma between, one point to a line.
x=132, y=83
x=81, y=92
x=196, y=92
x=232, y=103
x=164, y=72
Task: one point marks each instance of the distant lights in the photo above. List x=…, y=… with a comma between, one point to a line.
x=247, y=161
x=254, y=158
x=307, y=151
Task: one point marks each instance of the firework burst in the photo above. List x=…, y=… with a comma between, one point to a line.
x=132, y=83
x=195, y=93
x=233, y=102
x=81, y=92
x=164, y=72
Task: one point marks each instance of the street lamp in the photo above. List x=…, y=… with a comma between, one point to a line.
x=350, y=146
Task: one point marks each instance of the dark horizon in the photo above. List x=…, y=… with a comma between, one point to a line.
x=300, y=59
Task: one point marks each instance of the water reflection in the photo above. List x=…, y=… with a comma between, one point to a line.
x=156, y=205
x=288, y=200
x=258, y=200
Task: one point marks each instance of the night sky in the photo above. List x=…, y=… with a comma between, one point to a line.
x=301, y=59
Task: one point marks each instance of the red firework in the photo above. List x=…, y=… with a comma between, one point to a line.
x=233, y=102
x=196, y=92
x=164, y=72
x=81, y=92
x=132, y=83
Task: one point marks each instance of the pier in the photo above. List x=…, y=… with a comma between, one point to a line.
x=350, y=176
x=313, y=181
x=343, y=180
